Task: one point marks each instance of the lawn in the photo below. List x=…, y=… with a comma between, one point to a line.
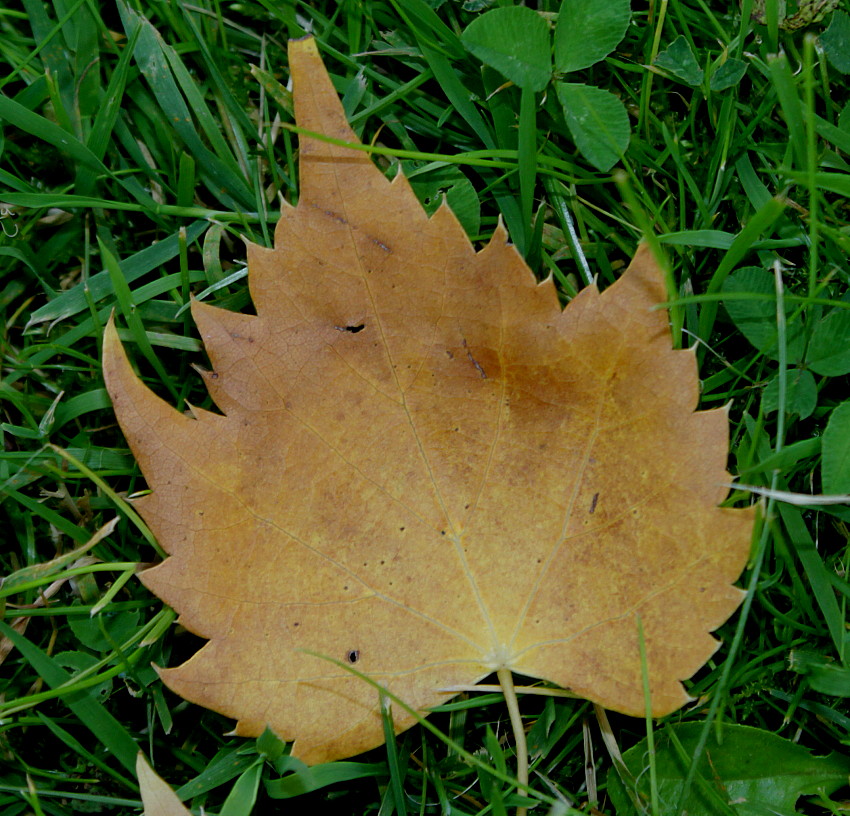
x=143, y=144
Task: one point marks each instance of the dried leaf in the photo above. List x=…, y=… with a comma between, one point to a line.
x=157, y=797
x=428, y=470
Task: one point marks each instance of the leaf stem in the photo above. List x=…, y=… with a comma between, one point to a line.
x=650, y=733
x=506, y=681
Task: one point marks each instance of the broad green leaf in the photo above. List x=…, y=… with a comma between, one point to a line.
x=433, y=185
x=801, y=397
x=751, y=772
x=598, y=122
x=730, y=73
x=270, y=745
x=515, y=41
x=588, y=31
x=835, y=464
x=678, y=59
x=835, y=42
x=756, y=319
x=829, y=348
x=80, y=661
x=103, y=631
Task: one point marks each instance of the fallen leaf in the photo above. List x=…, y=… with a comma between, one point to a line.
x=157, y=797
x=427, y=470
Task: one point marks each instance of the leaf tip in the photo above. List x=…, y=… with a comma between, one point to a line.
x=115, y=363
x=158, y=799
x=500, y=234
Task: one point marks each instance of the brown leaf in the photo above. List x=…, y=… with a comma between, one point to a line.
x=429, y=470
x=157, y=797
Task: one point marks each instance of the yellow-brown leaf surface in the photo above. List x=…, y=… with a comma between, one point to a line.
x=427, y=469
x=157, y=797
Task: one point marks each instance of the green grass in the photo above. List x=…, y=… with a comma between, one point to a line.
x=141, y=145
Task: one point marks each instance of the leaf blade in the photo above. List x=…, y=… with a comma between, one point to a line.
x=515, y=41
x=598, y=122
x=402, y=400
x=588, y=30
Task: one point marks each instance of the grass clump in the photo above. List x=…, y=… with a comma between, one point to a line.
x=142, y=142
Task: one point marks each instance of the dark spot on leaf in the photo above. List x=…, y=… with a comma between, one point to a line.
x=351, y=329
x=593, y=502
x=482, y=373
x=353, y=656
x=338, y=218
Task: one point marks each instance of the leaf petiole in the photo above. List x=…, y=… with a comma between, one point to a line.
x=506, y=681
